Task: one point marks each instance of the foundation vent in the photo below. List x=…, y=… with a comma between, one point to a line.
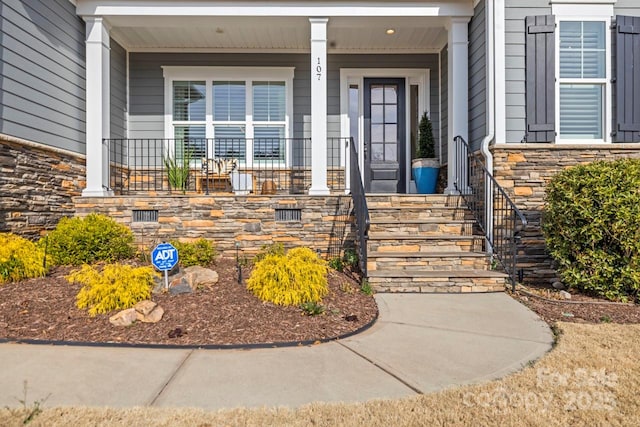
x=288, y=215
x=149, y=215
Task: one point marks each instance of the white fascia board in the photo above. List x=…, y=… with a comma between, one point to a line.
x=299, y=8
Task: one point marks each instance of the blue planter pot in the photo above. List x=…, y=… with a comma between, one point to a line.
x=426, y=179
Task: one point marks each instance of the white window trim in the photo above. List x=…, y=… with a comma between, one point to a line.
x=246, y=74
x=412, y=76
x=602, y=11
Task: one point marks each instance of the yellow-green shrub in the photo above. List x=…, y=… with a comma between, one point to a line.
x=116, y=287
x=295, y=278
x=201, y=252
x=19, y=259
x=96, y=237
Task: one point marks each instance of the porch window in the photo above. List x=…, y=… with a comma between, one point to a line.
x=189, y=119
x=226, y=112
x=269, y=120
x=229, y=119
x=583, y=79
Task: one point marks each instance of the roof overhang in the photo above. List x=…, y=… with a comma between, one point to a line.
x=283, y=26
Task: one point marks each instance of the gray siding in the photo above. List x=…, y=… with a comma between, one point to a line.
x=42, y=73
x=477, y=77
x=444, y=103
x=118, y=76
x=146, y=116
x=515, y=12
x=627, y=7
x=146, y=85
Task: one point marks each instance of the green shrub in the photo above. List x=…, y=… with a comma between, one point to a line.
x=312, y=308
x=295, y=278
x=592, y=227
x=116, y=287
x=19, y=259
x=77, y=241
x=336, y=264
x=350, y=258
x=201, y=252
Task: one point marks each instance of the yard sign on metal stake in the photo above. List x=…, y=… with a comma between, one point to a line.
x=164, y=257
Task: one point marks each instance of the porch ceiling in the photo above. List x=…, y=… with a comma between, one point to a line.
x=292, y=33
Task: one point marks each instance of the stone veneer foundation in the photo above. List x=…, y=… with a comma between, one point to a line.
x=326, y=224
x=37, y=185
x=524, y=171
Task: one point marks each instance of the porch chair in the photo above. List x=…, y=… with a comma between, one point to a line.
x=215, y=174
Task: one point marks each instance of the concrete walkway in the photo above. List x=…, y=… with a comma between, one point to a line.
x=421, y=343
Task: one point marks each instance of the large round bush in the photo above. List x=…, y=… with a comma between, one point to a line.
x=592, y=227
x=86, y=240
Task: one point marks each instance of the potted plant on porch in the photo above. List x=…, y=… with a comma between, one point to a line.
x=425, y=167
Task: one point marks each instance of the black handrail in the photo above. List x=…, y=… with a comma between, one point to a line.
x=142, y=165
x=498, y=217
x=360, y=208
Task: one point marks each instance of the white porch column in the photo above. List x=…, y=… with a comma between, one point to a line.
x=318, y=106
x=97, y=107
x=458, y=90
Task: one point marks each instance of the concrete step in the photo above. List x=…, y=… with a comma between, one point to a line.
x=427, y=261
x=422, y=227
x=438, y=281
x=402, y=242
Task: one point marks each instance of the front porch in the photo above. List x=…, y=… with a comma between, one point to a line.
x=277, y=90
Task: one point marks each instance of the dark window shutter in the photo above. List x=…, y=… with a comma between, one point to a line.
x=627, y=82
x=540, y=78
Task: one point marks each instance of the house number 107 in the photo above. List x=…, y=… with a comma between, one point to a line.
x=319, y=69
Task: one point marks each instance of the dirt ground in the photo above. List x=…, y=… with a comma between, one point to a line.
x=552, y=307
x=224, y=314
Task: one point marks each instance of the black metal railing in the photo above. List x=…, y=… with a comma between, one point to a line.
x=360, y=208
x=496, y=214
x=257, y=165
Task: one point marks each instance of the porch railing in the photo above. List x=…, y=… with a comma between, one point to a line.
x=360, y=208
x=496, y=214
x=267, y=165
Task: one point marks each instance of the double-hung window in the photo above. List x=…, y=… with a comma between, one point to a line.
x=582, y=80
x=189, y=118
x=239, y=113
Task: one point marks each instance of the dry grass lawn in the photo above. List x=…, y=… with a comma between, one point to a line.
x=591, y=378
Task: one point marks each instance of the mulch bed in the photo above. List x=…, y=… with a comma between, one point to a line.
x=550, y=306
x=225, y=314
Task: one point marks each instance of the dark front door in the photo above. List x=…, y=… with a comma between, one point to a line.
x=384, y=135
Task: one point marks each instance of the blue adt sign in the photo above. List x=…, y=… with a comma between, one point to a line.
x=164, y=257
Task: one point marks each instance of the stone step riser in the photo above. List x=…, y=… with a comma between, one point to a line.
x=401, y=215
x=426, y=229
x=401, y=200
x=428, y=264
x=419, y=245
x=431, y=285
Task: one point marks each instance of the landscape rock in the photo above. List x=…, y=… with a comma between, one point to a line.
x=180, y=287
x=145, y=307
x=199, y=276
x=558, y=285
x=124, y=317
x=153, y=317
x=565, y=295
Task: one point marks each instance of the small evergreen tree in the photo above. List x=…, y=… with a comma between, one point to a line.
x=426, y=143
